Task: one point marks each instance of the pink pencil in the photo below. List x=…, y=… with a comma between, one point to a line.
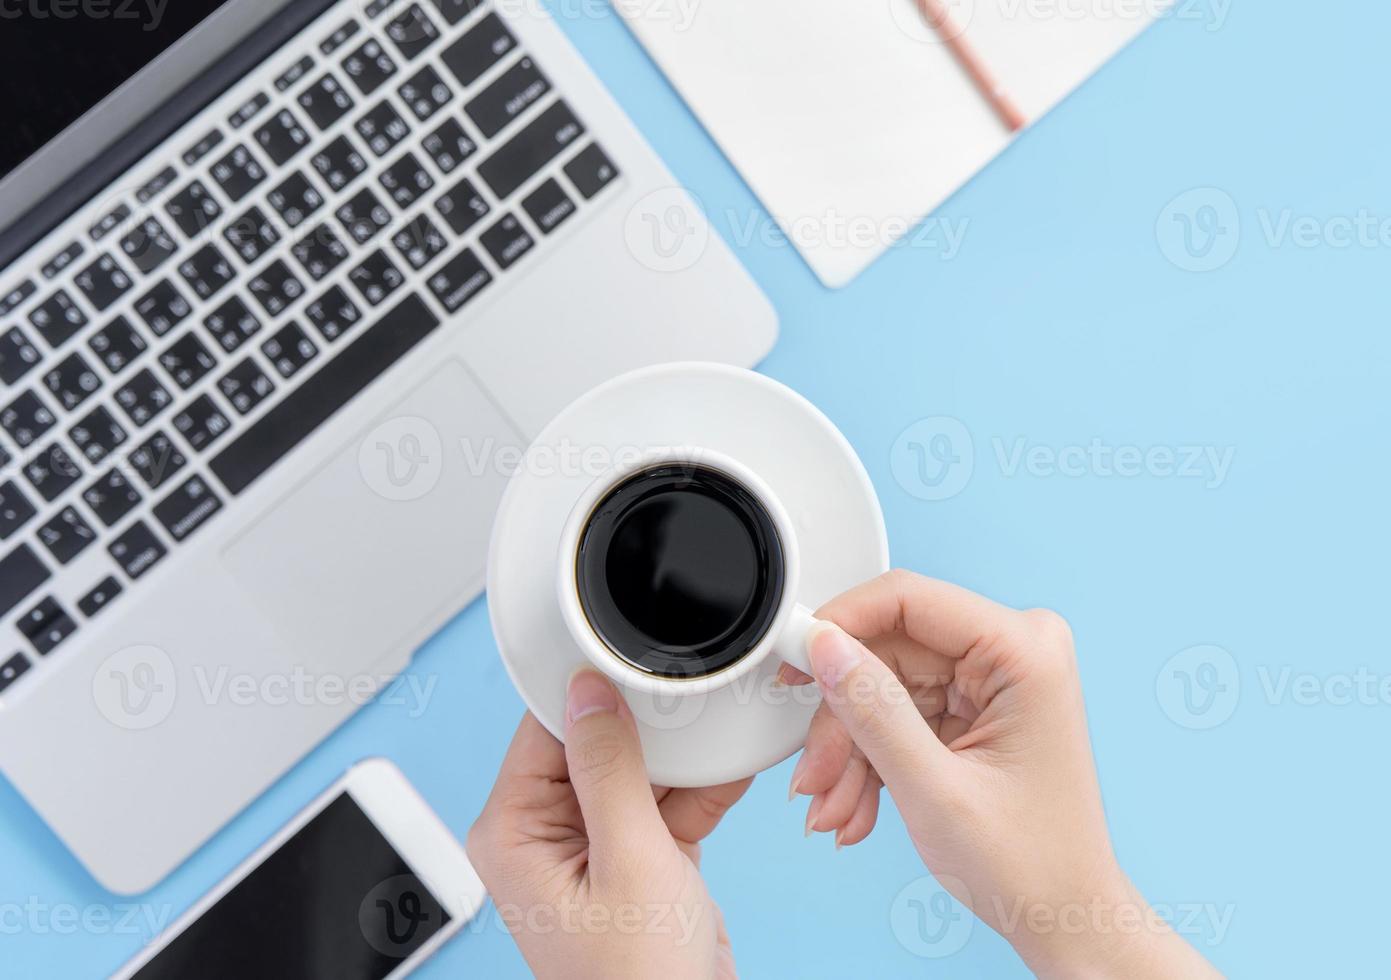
x=937, y=14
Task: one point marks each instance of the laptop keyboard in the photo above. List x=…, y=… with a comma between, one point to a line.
x=212, y=319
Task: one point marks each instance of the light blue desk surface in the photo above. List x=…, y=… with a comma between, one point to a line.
x=1063, y=323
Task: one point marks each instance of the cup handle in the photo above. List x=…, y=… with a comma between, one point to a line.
x=791, y=645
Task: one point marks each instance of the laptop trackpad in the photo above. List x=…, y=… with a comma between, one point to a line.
x=390, y=534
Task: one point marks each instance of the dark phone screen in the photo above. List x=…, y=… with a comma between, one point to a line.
x=336, y=902
x=59, y=58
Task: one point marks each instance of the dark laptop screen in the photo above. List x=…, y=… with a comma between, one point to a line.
x=59, y=58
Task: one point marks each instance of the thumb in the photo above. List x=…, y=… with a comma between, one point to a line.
x=867, y=697
x=608, y=775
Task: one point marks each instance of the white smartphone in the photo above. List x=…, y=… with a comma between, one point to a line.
x=364, y=884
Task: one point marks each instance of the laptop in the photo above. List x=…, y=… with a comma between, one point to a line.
x=285, y=287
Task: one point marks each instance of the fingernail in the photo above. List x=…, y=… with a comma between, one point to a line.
x=839, y=845
x=784, y=676
x=833, y=654
x=589, y=693
x=798, y=774
x=813, y=812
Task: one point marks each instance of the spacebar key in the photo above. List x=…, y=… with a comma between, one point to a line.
x=291, y=421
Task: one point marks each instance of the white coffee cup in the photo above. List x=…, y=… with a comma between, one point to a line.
x=786, y=635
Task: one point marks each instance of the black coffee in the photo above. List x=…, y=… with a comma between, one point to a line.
x=680, y=570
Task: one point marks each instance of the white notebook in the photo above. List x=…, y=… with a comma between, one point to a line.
x=849, y=118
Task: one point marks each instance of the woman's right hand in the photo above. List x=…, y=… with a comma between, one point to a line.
x=971, y=714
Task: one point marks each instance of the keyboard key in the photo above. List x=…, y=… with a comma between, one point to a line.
x=449, y=145
x=412, y=31
x=156, y=185
x=295, y=199
x=203, y=147
x=591, y=170
x=325, y=102
x=12, y=670
x=206, y=271
x=137, y=550
x=51, y=472
x=109, y=222
x=26, y=419
x=275, y=288
x=66, y=535
x=238, y=173
x=143, y=397
x=17, y=355
x=111, y=497
x=245, y=386
x=459, y=280
x=187, y=508
x=382, y=128
x=231, y=324
x=71, y=381
x=251, y=235
x=338, y=163
x=282, y=137
x=340, y=37
x=201, y=422
x=462, y=206
x=57, y=318
x=252, y=107
x=290, y=421
x=425, y=93
x=482, y=47
x=21, y=572
x=187, y=360
x=15, y=509
x=507, y=241
x=515, y=91
x=156, y=460
x=456, y=10
x=149, y=246
x=540, y=142
x=97, y=435
x=289, y=350
x=368, y=67
x=103, y=282
x=376, y=278
x=193, y=209
x=363, y=216
x=548, y=206
x=117, y=344
x=46, y=625
x=296, y=71
x=17, y=297
x=163, y=308
x=405, y=180
x=320, y=252
x=100, y=596
x=62, y=260
x=333, y=313
x=419, y=241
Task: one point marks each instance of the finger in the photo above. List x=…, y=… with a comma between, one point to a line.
x=535, y=761
x=608, y=774
x=866, y=814
x=943, y=617
x=870, y=701
x=825, y=756
x=692, y=814
x=839, y=803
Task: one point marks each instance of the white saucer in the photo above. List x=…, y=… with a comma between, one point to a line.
x=738, y=730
